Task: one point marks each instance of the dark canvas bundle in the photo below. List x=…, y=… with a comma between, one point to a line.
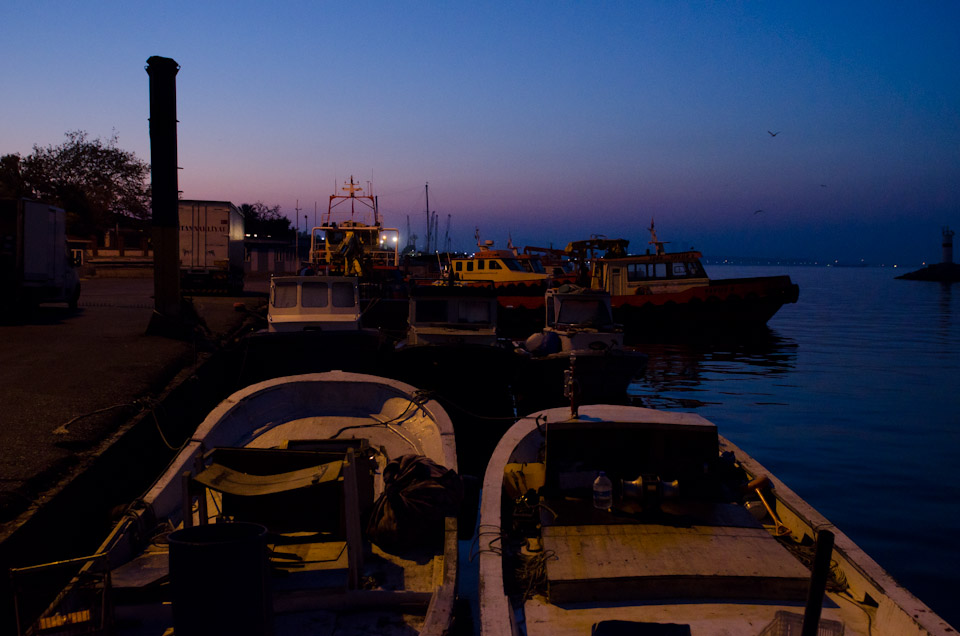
x=418, y=494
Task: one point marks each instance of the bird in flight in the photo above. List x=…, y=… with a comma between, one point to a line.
x=773, y=134
x=757, y=212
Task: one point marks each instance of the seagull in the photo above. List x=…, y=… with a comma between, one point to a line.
x=757, y=212
x=773, y=134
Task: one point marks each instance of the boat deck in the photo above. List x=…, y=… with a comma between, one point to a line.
x=690, y=618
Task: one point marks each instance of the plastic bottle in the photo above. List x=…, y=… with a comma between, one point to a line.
x=602, y=492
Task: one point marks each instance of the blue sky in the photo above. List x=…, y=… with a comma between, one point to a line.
x=543, y=121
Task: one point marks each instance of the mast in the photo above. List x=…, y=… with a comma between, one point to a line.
x=426, y=189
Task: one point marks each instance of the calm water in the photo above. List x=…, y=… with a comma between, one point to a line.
x=853, y=400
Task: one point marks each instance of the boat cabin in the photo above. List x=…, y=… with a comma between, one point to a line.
x=498, y=266
x=321, y=303
x=582, y=319
x=648, y=273
x=452, y=315
x=578, y=308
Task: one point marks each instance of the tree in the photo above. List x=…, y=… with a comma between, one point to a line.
x=97, y=183
x=264, y=221
x=12, y=184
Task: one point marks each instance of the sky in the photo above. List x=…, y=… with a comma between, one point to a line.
x=536, y=122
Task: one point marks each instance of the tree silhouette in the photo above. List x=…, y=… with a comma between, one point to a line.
x=96, y=182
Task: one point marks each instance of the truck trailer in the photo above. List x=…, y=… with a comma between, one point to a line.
x=211, y=247
x=35, y=263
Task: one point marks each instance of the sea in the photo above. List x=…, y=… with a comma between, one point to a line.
x=852, y=398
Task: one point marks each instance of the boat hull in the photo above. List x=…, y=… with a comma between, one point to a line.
x=723, y=306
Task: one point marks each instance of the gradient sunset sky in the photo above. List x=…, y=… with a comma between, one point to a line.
x=543, y=121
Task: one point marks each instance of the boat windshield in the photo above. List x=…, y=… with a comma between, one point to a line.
x=284, y=295
x=533, y=265
x=513, y=265
x=343, y=295
x=314, y=294
x=474, y=311
x=584, y=311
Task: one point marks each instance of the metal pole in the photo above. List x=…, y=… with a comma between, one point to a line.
x=165, y=194
x=818, y=583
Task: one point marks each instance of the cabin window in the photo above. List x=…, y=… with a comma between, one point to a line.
x=313, y=294
x=636, y=271
x=284, y=295
x=495, y=265
x=343, y=295
x=659, y=270
x=480, y=265
x=536, y=266
x=469, y=266
x=474, y=311
x=430, y=311
x=512, y=264
x=459, y=266
x=679, y=270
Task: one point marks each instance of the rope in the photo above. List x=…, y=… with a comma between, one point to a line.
x=63, y=428
x=491, y=529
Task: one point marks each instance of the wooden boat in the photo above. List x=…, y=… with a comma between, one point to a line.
x=256, y=526
x=580, y=340
x=704, y=541
x=667, y=292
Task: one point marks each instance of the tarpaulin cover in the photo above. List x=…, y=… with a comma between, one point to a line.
x=418, y=494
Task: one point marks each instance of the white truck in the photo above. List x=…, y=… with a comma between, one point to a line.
x=211, y=246
x=35, y=263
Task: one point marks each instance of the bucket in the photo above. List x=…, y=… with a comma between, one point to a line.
x=220, y=580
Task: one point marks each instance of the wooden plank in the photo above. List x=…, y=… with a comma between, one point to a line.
x=439, y=614
x=601, y=562
x=352, y=520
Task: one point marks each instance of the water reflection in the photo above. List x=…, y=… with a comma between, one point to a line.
x=946, y=311
x=686, y=375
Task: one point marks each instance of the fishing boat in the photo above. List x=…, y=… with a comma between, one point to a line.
x=623, y=520
x=579, y=350
x=313, y=325
x=667, y=292
x=518, y=280
x=352, y=240
x=453, y=350
x=313, y=303
x=317, y=503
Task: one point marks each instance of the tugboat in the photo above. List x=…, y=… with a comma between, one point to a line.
x=659, y=293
